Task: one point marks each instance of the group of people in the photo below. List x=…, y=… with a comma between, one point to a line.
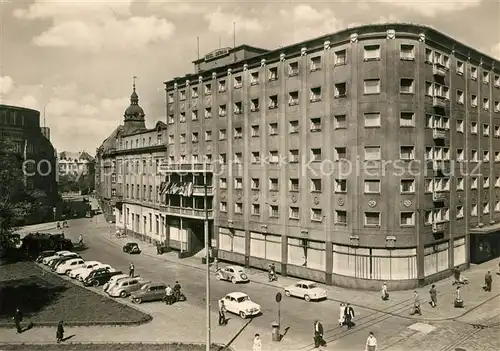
x=173, y=295
x=346, y=315
x=371, y=341
x=18, y=317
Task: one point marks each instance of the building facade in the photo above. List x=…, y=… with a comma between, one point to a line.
x=75, y=163
x=368, y=155
x=21, y=126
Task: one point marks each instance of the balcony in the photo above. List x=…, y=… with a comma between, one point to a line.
x=199, y=190
x=439, y=70
x=438, y=196
x=438, y=227
x=188, y=212
x=439, y=102
x=186, y=167
x=439, y=133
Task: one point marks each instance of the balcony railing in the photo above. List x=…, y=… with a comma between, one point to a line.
x=439, y=70
x=439, y=196
x=438, y=133
x=439, y=101
x=186, y=167
x=199, y=190
x=188, y=212
x=438, y=227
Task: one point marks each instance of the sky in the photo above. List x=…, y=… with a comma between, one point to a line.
x=75, y=59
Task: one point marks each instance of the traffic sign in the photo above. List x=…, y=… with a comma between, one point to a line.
x=278, y=297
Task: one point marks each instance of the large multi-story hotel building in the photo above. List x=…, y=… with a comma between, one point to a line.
x=367, y=155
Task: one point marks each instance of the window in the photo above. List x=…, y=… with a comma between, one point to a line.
x=486, y=208
x=486, y=156
x=407, y=52
x=222, y=110
x=293, y=69
x=497, y=156
x=372, y=119
x=473, y=211
x=460, y=126
x=194, y=137
x=222, y=183
x=371, y=52
x=315, y=124
x=254, y=105
x=316, y=155
x=273, y=128
x=223, y=206
x=208, y=89
x=497, y=106
x=486, y=129
x=460, y=184
x=473, y=127
x=273, y=101
x=273, y=156
x=339, y=122
x=194, y=92
x=222, y=86
x=429, y=56
x=274, y=211
x=255, y=157
x=460, y=155
x=238, y=82
x=372, y=186
x=340, y=153
x=372, y=219
x=460, y=68
x=371, y=86
x=486, y=182
x=460, y=212
x=473, y=183
x=486, y=104
x=222, y=134
x=473, y=73
x=273, y=184
x=238, y=158
x=238, y=183
x=208, y=112
x=429, y=89
x=294, y=156
x=171, y=139
x=497, y=182
x=460, y=97
x=315, y=185
x=315, y=63
x=294, y=127
x=497, y=206
x=340, y=90
x=407, y=119
x=372, y=153
x=406, y=86
x=182, y=117
x=273, y=73
x=407, y=153
x=316, y=214
x=293, y=98
x=486, y=77
x=170, y=98
x=294, y=213
x=315, y=94
x=255, y=183
x=294, y=184
x=340, y=58
x=255, y=209
x=254, y=78
x=407, y=219
x=238, y=133
x=340, y=185
x=238, y=108
x=238, y=208
x=497, y=81
x=340, y=217
x=407, y=186
x=255, y=130
x=497, y=131
x=194, y=115
x=183, y=138
x=473, y=100
x=182, y=95
x=474, y=156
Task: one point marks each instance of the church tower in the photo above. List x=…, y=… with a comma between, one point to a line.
x=134, y=114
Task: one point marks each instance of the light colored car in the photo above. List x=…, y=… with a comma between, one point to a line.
x=113, y=281
x=234, y=274
x=46, y=260
x=83, y=275
x=126, y=286
x=239, y=303
x=306, y=290
x=67, y=266
x=74, y=274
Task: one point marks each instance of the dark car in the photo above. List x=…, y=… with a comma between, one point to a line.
x=58, y=261
x=99, y=277
x=131, y=248
x=44, y=254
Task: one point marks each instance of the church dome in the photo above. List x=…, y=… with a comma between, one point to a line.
x=134, y=111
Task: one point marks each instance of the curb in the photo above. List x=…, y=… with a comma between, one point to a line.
x=104, y=344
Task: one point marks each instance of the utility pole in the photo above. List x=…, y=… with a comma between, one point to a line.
x=207, y=255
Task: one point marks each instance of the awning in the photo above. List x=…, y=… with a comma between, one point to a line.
x=485, y=229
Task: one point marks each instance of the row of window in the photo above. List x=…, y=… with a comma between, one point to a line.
x=137, y=142
x=436, y=89
x=370, y=53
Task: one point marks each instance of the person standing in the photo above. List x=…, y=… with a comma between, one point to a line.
x=385, y=294
x=342, y=314
x=216, y=264
x=60, y=332
x=433, y=294
x=131, y=270
x=257, y=343
x=18, y=317
x=349, y=316
x=488, y=280
x=222, y=310
x=371, y=342
x=177, y=291
x=168, y=295
x=318, y=334
x=416, y=304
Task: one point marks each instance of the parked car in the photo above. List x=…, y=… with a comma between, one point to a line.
x=131, y=248
x=99, y=277
x=234, y=274
x=306, y=290
x=113, y=281
x=46, y=260
x=67, y=266
x=88, y=265
x=125, y=287
x=239, y=303
x=149, y=292
x=44, y=254
x=83, y=275
x=56, y=262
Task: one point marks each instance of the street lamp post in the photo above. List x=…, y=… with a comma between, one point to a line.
x=207, y=261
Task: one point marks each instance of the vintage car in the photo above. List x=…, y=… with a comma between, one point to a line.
x=113, y=281
x=149, y=292
x=99, y=277
x=56, y=262
x=44, y=254
x=125, y=287
x=239, y=303
x=46, y=260
x=306, y=290
x=83, y=275
x=67, y=266
x=75, y=273
x=234, y=274
x=131, y=248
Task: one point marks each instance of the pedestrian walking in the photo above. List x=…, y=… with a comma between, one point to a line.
x=385, y=294
x=371, y=343
x=342, y=314
x=416, y=304
x=18, y=317
x=222, y=310
x=318, y=334
x=131, y=270
x=488, y=280
x=458, y=303
x=349, y=316
x=433, y=294
x=216, y=264
x=257, y=343
x=456, y=275
x=60, y=332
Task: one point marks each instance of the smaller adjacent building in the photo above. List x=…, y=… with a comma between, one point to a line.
x=75, y=163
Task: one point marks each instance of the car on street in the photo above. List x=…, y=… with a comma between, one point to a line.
x=149, y=292
x=113, y=281
x=131, y=248
x=83, y=275
x=239, y=303
x=67, y=266
x=234, y=274
x=56, y=262
x=99, y=277
x=126, y=286
x=306, y=290
x=88, y=265
x=46, y=260
x=44, y=254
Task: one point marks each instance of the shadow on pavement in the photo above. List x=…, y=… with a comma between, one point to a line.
x=69, y=337
x=227, y=346
x=282, y=336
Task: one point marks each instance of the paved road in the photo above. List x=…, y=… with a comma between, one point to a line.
x=296, y=314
